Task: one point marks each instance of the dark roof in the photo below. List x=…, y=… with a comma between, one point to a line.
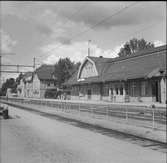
x=100, y=62
x=143, y=52
x=27, y=75
x=144, y=64
x=45, y=72
x=100, y=59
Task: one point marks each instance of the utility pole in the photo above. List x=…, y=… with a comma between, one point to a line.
x=0, y=68
x=17, y=66
x=89, y=41
x=0, y=73
x=2, y=54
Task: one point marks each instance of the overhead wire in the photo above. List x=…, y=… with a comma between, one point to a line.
x=102, y=21
x=143, y=29
x=82, y=7
x=105, y=19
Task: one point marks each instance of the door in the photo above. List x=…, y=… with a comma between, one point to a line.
x=156, y=91
x=89, y=94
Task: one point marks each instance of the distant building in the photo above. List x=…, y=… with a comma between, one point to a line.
x=10, y=94
x=43, y=79
x=24, y=89
x=137, y=78
x=34, y=84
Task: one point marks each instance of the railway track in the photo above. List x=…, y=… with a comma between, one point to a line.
x=144, y=142
x=125, y=112
x=133, y=112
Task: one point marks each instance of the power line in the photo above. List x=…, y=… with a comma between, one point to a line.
x=141, y=30
x=145, y=28
x=102, y=21
x=82, y=7
x=3, y=54
x=16, y=65
x=14, y=72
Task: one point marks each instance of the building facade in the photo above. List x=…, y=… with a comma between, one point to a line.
x=35, y=84
x=137, y=78
x=24, y=89
x=43, y=79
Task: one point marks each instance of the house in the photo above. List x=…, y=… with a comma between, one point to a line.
x=34, y=84
x=24, y=89
x=137, y=78
x=9, y=93
x=43, y=79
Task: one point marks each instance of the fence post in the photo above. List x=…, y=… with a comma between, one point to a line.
x=153, y=122
x=107, y=112
x=64, y=106
x=153, y=115
x=79, y=109
x=68, y=106
x=60, y=105
x=153, y=118
x=92, y=112
x=126, y=113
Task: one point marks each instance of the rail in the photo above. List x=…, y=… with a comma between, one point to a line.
x=152, y=115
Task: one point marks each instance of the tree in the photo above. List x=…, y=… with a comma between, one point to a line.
x=10, y=83
x=64, y=68
x=19, y=78
x=133, y=46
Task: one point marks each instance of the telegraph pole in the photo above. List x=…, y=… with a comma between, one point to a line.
x=0, y=65
x=1, y=54
x=17, y=66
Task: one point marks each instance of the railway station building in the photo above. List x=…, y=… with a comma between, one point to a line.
x=137, y=78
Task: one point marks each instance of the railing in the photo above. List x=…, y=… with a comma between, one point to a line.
x=147, y=116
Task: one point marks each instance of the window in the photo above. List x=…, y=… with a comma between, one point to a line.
x=127, y=88
x=48, y=84
x=133, y=87
x=89, y=93
x=121, y=91
x=144, y=88
x=117, y=92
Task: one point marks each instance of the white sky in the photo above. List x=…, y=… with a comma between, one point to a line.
x=50, y=30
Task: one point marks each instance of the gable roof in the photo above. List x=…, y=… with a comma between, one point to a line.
x=27, y=76
x=100, y=63
x=45, y=72
x=144, y=64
